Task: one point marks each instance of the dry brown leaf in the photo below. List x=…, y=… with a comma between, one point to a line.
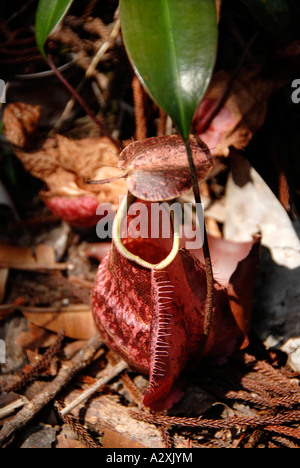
x=76, y=320
x=242, y=114
x=104, y=413
x=21, y=123
x=74, y=162
x=65, y=164
x=7, y=309
x=35, y=337
x=25, y=258
x=45, y=254
x=68, y=440
x=16, y=255
x=113, y=439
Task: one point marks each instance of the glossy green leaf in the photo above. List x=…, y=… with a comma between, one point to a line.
x=172, y=45
x=272, y=15
x=48, y=16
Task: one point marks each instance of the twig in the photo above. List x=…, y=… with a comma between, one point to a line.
x=36, y=266
x=89, y=72
x=254, y=438
x=287, y=431
x=139, y=109
x=89, y=8
x=263, y=384
x=107, y=375
x=162, y=123
x=164, y=430
x=35, y=370
x=103, y=49
x=286, y=442
x=132, y=388
x=83, y=104
x=275, y=375
x=22, y=10
x=77, y=428
x=11, y=407
x=68, y=370
x=251, y=398
x=255, y=421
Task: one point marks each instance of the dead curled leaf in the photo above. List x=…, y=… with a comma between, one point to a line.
x=21, y=123
x=35, y=337
x=242, y=113
x=42, y=257
x=65, y=164
x=76, y=320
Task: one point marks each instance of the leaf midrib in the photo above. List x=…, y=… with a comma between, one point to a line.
x=175, y=65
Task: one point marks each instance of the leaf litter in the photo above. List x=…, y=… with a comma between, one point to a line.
x=251, y=399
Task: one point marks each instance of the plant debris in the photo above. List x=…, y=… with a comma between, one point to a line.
x=61, y=386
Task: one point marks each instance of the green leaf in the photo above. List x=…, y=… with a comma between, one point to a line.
x=48, y=16
x=172, y=45
x=273, y=15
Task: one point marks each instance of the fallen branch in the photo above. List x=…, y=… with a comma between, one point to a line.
x=78, y=429
x=88, y=74
x=83, y=104
x=68, y=370
x=12, y=406
x=105, y=414
x=35, y=370
x=108, y=374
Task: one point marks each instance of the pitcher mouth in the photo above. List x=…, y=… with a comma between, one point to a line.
x=128, y=200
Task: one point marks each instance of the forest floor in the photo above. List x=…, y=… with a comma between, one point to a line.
x=51, y=351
